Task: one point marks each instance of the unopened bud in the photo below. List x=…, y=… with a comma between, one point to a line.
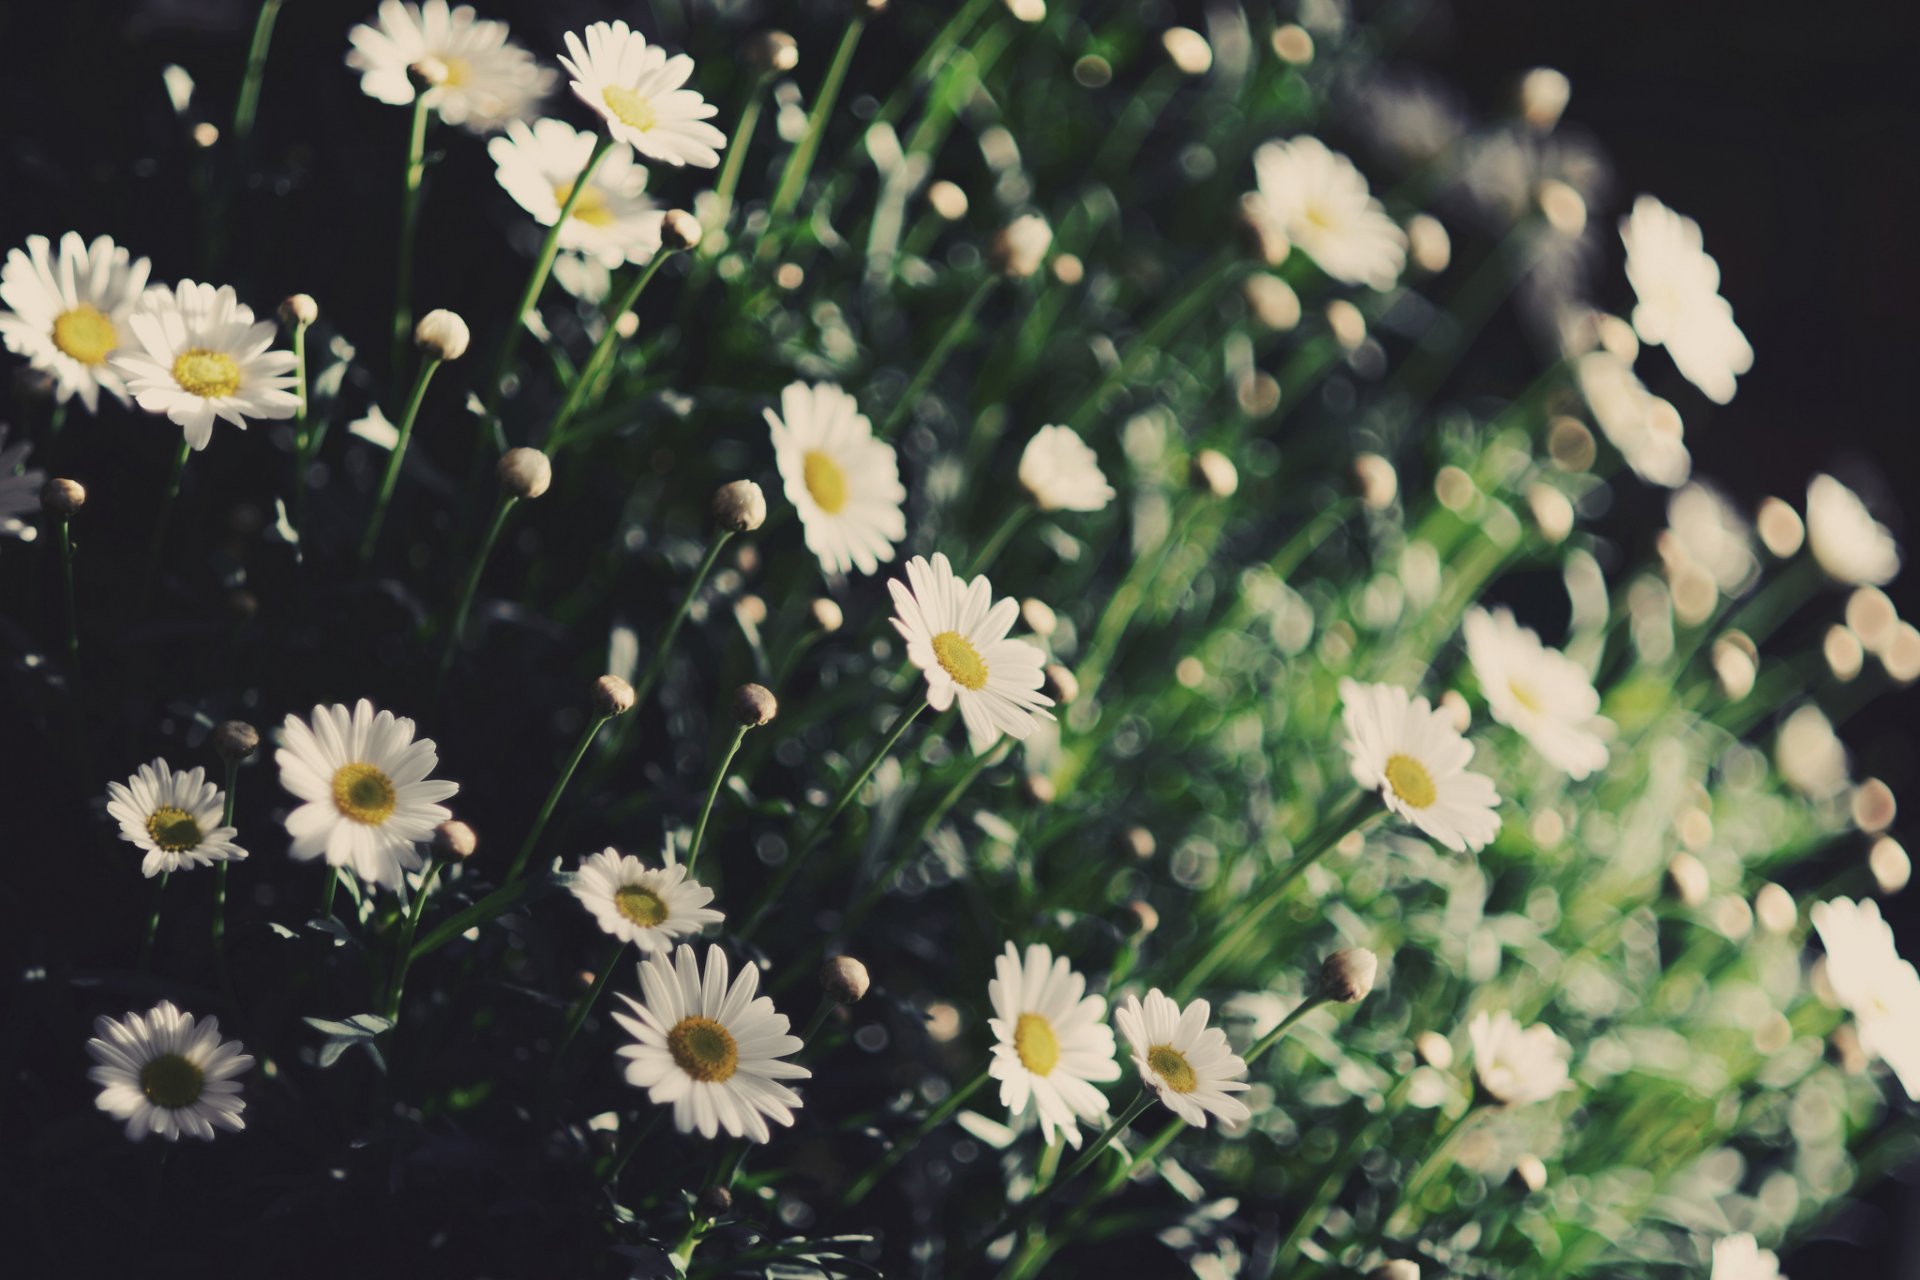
x=1872, y=616
x=1780, y=527
x=1188, y=49
x=1377, y=481
x=1018, y=249
x=1736, y=664
x=1543, y=95
x=845, y=979
x=1873, y=806
x=62, y=499
x=205, y=135
x=771, y=53
x=1060, y=684
x=1530, y=1172
x=1434, y=1049
x=235, y=740
x=948, y=200
x=454, y=841
x=1552, y=512
x=1687, y=877
x=1028, y=10
x=1348, y=974
x=714, y=1201
x=1774, y=908
x=1458, y=713
x=1889, y=864
x=1140, y=842
x=1428, y=243
x=442, y=335
x=1273, y=302
x=1143, y=918
x=827, y=615
x=1348, y=326
x=679, y=231
x=525, y=473
x=1039, y=617
x=1564, y=208
x=1570, y=444
x=1398, y=1269
x=1068, y=269
x=1292, y=43
x=299, y=311
x=740, y=506
x=612, y=696
x=754, y=705
x=1260, y=233
x=1040, y=789
x=1214, y=474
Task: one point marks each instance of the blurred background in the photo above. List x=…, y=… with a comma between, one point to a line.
x=1793, y=139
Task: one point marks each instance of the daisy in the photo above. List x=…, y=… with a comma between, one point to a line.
x=1062, y=473
x=1516, y=1065
x=485, y=80
x=1871, y=981
x=649, y=908
x=844, y=483
x=1847, y=541
x=637, y=88
x=1541, y=692
x=200, y=355
x=612, y=222
x=1319, y=202
x=957, y=635
x=1741, y=1258
x=1414, y=757
x=19, y=488
x=175, y=817
x=1185, y=1061
x=1644, y=428
x=1052, y=1042
x=162, y=1074
x=711, y=1050
x=1678, y=287
x=369, y=802
x=66, y=315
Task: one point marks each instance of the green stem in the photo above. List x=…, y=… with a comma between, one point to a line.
x=659, y=662
x=899, y=1151
x=392, y=477
x=1272, y=1037
x=552, y=801
x=403, y=953
x=248, y=105
x=409, y=223
x=857, y=912
x=1033, y=1245
x=937, y=358
x=793, y=179
x=826, y=1006
x=1414, y=1186
x=157, y=547
x=602, y=352
x=302, y=439
x=220, y=893
x=1226, y=267
x=997, y=541
x=66, y=592
x=458, y=625
x=153, y=921
x=713, y=791
x=736, y=160
x=1127, y=599
x=327, y=887
x=494, y=905
x=585, y=1004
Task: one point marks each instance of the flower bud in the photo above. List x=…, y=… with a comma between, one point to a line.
x=62, y=499
x=740, y=506
x=1687, y=877
x=1458, y=712
x=1428, y=243
x=754, y=705
x=1551, y=510
x=1040, y=788
x=1780, y=528
x=1260, y=233
x=611, y=696
x=1348, y=326
x=1434, y=1049
x=299, y=311
x=1376, y=479
x=1292, y=43
x=770, y=53
x=1398, y=1269
x=1018, y=249
x=1142, y=918
x=679, y=231
x=1028, y=10
x=844, y=979
x=1039, y=617
x=454, y=841
x=1188, y=50
x=442, y=335
x=827, y=615
x=1272, y=301
x=948, y=200
x=1530, y=1172
x=235, y=740
x=205, y=135
x=1060, y=684
x=1873, y=806
x=714, y=1201
x=525, y=473
x=1213, y=473
x=1543, y=95
x=1872, y=617
x=1774, y=908
x=1348, y=975
x=1889, y=864
x=1564, y=208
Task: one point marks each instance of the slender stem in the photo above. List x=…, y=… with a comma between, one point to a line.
x=428, y=364
x=248, y=105
x=1127, y=598
x=737, y=157
x=1272, y=1037
x=409, y=222
x=66, y=591
x=220, y=890
x=1227, y=267
x=997, y=542
x=157, y=546
x=302, y=439
x=1033, y=1246
x=552, y=801
x=1099, y=1144
x=632, y=1145
x=491, y=907
x=153, y=920
x=937, y=358
x=899, y=1151
x=542, y=268
x=660, y=655
x=458, y=625
x=403, y=953
x=327, y=887
x=827, y=1005
x=793, y=179
x=585, y=1004
x=719, y=776
x=1416, y=1184
x=857, y=912
x=602, y=353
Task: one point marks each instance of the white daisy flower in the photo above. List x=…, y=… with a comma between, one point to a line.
x=711, y=1050
x=369, y=802
x=1847, y=541
x=612, y=222
x=1319, y=202
x=1680, y=307
x=1515, y=1065
x=175, y=817
x=844, y=484
x=67, y=314
x=199, y=354
x=1541, y=692
x=637, y=88
x=1873, y=983
x=162, y=1074
x=1188, y=1063
x=19, y=488
x=485, y=80
x=1645, y=428
x=1414, y=757
x=957, y=635
x=649, y=907
x=1052, y=1042
x=1741, y=1258
x=1062, y=473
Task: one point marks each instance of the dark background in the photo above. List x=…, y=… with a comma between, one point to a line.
x=1794, y=138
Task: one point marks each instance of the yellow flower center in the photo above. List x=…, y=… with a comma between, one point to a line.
x=174, y=830
x=364, y=794
x=207, y=374
x=1172, y=1067
x=1318, y=216
x=825, y=481
x=459, y=71
x=171, y=1081
x=86, y=334
x=959, y=659
x=591, y=208
x=629, y=107
x=642, y=906
x=1524, y=695
x=703, y=1049
x=1411, y=781
x=1034, y=1041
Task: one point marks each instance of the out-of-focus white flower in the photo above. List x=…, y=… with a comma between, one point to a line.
x=612, y=221
x=1414, y=757
x=1051, y=1042
x=1847, y=541
x=1741, y=1258
x=1186, y=1062
x=162, y=1074
x=1541, y=692
x=19, y=488
x=1517, y=1065
x=1811, y=758
x=1644, y=428
x=1873, y=983
x=66, y=314
x=1063, y=473
x=844, y=484
x=1019, y=248
x=175, y=818
x=478, y=78
x=1714, y=536
x=639, y=91
x=199, y=355
x=956, y=633
x=1680, y=307
x=1320, y=204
